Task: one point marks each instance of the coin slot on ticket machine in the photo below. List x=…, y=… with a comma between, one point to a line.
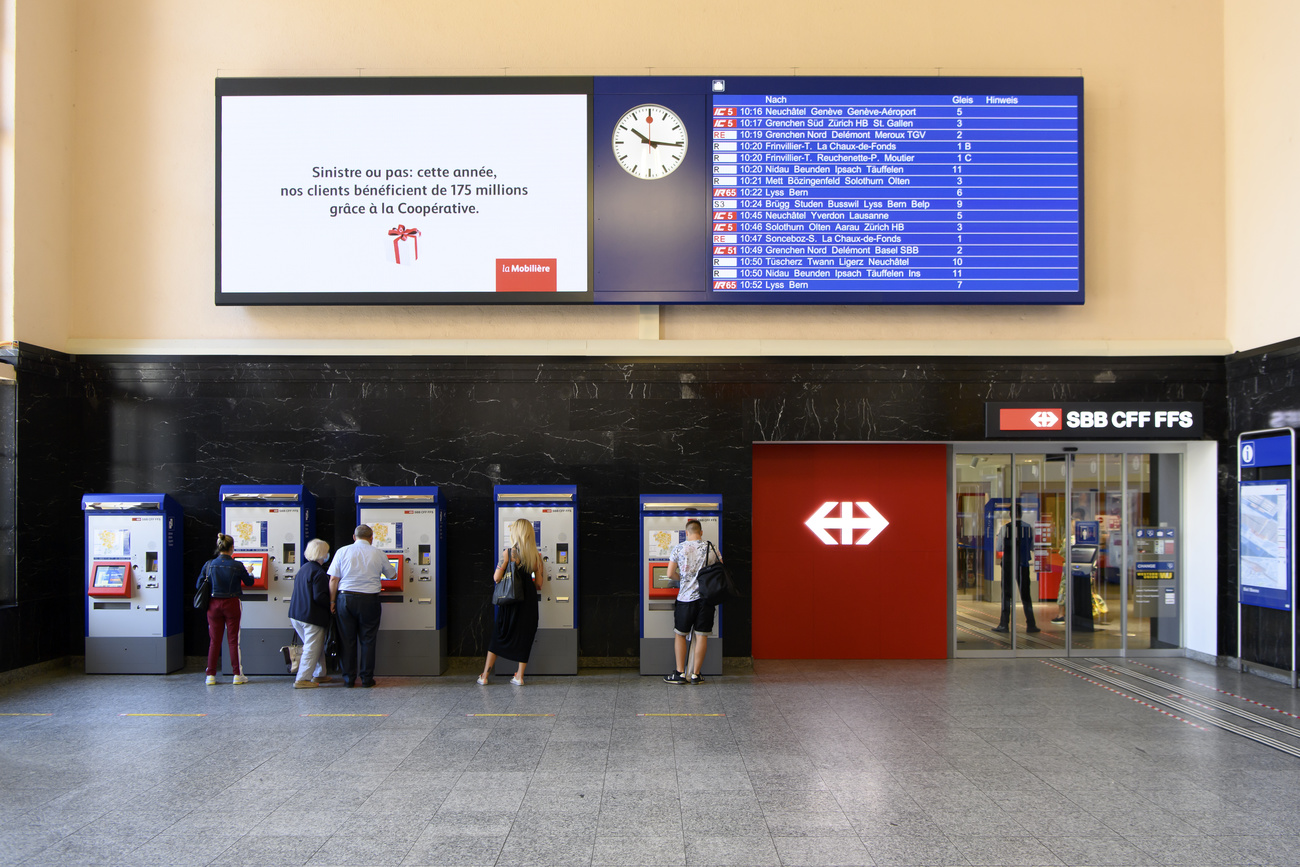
x=110, y=578
x=258, y=565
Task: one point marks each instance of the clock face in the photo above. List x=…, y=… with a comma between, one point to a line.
x=650, y=142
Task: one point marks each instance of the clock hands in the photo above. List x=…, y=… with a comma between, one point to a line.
x=654, y=144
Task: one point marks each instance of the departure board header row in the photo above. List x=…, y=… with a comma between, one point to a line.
x=650, y=190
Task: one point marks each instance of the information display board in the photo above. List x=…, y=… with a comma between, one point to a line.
x=650, y=189
x=1265, y=507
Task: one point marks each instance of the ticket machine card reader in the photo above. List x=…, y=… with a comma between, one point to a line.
x=110, y=579
x=396, y=582
x=258, y=565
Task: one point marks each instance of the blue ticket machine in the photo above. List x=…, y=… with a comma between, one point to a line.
x=407, y=526
x=553, y=511
x=134, y=622
x=663, y=525
x=271, y=525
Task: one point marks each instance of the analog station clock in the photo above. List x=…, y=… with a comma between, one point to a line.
x=650, y=142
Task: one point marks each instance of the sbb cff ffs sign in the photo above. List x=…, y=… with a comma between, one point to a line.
x=1175, y=421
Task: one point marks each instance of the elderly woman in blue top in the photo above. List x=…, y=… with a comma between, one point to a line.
x=355, y=581
x=309, y=612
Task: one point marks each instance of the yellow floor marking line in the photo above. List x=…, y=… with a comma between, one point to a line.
x=26, y=714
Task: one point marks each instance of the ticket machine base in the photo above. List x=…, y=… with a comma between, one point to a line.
x=133, y=655
x=658, y=657
x=555, y=651
x=259, y=650
x=411, y=652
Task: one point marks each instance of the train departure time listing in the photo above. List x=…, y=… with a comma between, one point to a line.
x=879, y=193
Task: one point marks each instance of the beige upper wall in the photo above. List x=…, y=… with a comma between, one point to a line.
x=1262, y=80
x=139, y=245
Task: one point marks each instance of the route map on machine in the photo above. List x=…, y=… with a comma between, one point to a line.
x=954, y=193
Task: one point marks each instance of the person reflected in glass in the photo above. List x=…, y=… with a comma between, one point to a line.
x=1016, y=559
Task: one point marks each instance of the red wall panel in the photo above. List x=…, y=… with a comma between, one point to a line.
x=883, y=600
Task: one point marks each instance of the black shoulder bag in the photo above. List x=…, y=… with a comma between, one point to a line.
x=509, y=589
x=203, y=590
x=714, y=579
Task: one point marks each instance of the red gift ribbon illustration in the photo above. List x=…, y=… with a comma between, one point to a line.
x=401, y=233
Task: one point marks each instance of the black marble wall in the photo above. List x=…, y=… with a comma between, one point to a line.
x=1263, y=392
x=615, y=428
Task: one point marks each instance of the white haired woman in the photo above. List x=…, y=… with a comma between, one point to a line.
x=309, y=612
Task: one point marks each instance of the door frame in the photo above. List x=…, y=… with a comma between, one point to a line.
x=1065, y=447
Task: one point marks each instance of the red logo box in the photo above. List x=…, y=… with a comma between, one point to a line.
x=1036, y=418
x=526, y=275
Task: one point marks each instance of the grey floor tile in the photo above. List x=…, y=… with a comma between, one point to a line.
x=839, y=851
x=1200, y=851
x=257, y=850
x=1101, y=851
x=731, y=851
x=454, y=851
x=914, y=851
x=639, y=851
x=560, y=849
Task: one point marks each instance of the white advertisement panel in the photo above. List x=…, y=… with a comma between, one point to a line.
x=381, y=195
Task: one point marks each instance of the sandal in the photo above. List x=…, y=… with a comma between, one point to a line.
x=480, y=680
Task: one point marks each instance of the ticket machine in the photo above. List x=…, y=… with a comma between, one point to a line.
x=407, y=526
x=271, y=524
x=553, y=509
x=134, y=619
x=663, y=524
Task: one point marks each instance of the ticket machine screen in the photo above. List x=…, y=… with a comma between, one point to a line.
x=394, y=583
x=111, y=579
x=660, y=586
x=257, y=566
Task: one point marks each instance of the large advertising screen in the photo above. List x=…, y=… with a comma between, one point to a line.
x=356, y=192
x=650, y=189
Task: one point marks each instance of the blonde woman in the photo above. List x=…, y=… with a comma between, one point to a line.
x=516, y=625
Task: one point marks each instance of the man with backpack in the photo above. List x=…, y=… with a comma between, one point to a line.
x=690, y=612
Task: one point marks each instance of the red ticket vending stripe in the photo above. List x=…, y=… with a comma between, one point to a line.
x=1034, y=418
x=526, y=275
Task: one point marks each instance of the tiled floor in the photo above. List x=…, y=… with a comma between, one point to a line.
x=989, y=762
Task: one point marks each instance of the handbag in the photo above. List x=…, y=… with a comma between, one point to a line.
x=714, y=579
x=203, y=590
x=509, y=589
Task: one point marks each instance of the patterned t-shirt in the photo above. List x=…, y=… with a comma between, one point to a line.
x=689, y=557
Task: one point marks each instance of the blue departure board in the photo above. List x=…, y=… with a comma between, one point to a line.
x=961, y=193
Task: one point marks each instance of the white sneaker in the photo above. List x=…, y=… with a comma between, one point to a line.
x=239, y=678
x=211, y=681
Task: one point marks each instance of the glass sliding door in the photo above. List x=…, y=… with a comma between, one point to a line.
x=1067, y=554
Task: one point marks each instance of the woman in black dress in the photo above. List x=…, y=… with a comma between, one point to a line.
x=516, y=625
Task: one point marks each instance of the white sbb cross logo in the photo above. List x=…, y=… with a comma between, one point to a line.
x=846, y=523
x=1044, y=418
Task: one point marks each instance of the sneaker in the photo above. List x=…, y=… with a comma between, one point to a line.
x=1000, y=629
x=239, y=678
x=696, y=679
x=305, y=684
x=324, y=678
x=675, y=677
x=1033, y=629
x=211, y=681
x=1058, y=619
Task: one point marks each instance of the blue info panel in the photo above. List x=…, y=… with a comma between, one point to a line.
x=849, y=190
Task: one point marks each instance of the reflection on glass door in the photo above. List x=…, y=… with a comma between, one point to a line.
x=1062, y=553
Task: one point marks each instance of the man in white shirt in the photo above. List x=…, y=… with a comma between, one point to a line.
x=355, y=576
x=690, y=612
